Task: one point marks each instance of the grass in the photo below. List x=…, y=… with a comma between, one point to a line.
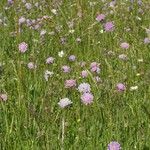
x=31, y=117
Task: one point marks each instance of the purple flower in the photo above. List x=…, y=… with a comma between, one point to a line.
x=70, y=83
x=84, y=73
x=64, y=102
x=87, y=98
x=31, y=65
x=124, y=45
x=114, y=146
x=23, y=47
x=84, y=88
x=121, y=87
x=66, y=69
x=100, y=17
x=50, y=60
x=72, y=58
x=109, y=26
x=146, y=40
x=10, y=2
x=3, y=97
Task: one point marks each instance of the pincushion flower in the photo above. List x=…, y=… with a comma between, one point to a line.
x=124, y=45
x=121, y=87
x=70, y=83
x=100, y=17
x=84, y=88
x=23, y=47
x=109, y=26
x=72, y=58
x=50, y=60
x=66, y=69
x=32, y=65
x=114, y=146
x=84, y=74
x=64, y=102
x=87, y=98
x=3, y=97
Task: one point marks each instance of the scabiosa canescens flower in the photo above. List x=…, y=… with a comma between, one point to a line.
x=23, y=47
x=50, y=60
x=146, y=41
x=72, y=58
x=124, y=45
x=64, y=102
x=70, y=83
x=10, y=2
x=109, y=26
x=87, y=98
x=84, y=74
x=22, y=20
x=121, y=87
x=95, y=67
x=100, y=17
x=84, y=88
x=3, y=97
x=28, y=6
x=31, y=65
x=66, y=69
x=114, y=146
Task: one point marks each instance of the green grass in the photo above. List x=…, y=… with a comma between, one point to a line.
x=31, y=117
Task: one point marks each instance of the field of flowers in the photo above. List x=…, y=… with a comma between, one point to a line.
x=74, y=74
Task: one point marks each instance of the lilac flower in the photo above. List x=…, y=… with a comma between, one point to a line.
x=64, y=102
x=87, y=98
x=31, y=65
x=70, y=83
x=10, y=2
x=124, y=45
x=50, y=60
x=100, y=17
x=23, y=47
x=114, y=146
x=72, y=58
x=84, y=88
x=28, y=6
x=3, y=97
x=109, y=26
x=66, y=69
x=146, y=40
x=121, y=87
x=95, y=67
x=84, y=74
x=22, y=20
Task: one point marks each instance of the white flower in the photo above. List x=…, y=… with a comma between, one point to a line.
x=43, y=32
x=64, y=102
x=48, y=74
x=133, y=88
x=54, y=11
x=61, y=53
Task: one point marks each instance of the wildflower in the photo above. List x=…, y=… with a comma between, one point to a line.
x=31, y=65
x=100, y=17
x=84, y=88
x=78, y=39
x=84, y=73
x=61, y=54
x=22, y=20
x=23, y=47
x=114, y=146
x=146, y=41
x=54, y=11
x=50, y=60
x=70, y=83
x=10, y=2
x=66, y=69
x=28, y=6
x=82, y=64
x=48, y=74
x=95, y=67
x=109, y=26
x=124, y=45
x=72, y=58
x=121, y=87
x=123, y=57
x=87, y=98
x=133, y=88
x=64, y=102
x=43, y=32
x=3, y=97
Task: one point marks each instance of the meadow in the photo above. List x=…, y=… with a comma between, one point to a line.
x=74, y=75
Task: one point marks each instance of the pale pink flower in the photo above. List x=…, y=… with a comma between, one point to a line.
x=124, y=45
x=3, y=97
x=31, y=65
x=50, y=60
x=109, y=26
x=84, y=73
x=23, y=47
x=87, y=98
x=70, y=83
x=100, y=17
x=66, y=69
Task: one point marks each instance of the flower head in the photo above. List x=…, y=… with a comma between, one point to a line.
x=114, y=146
x=64, y=102
x=3, y=97
x=66, y=69
x=72, y=58
x=109, y=26
x=70, y=83
x=50, y=60
x=87, y=98
x=84, y=74
x=100, y=17
x=23, y=47
x=121, y=87
x=31, y=65
x=124, y=45
x=84, y=88
x=48, y=74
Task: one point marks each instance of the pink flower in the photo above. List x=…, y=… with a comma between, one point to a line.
x=3, y=97
x=95, y=67
x=114, y=146
x=100, y=17
x=66, y=69
x=84, y=73
x=50, y=60
x=109, y=26
x=87, y=98
x=124, y=45
x=121, y=87
x=23, y=47
x=31, y=65
x=70, y=83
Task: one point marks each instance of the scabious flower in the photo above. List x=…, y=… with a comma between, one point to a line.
x=114, y=146
x=10, y=2
x=48, y=74
x=22, y=20
x=95, y=67
x=3, y=97
x=50, y=60
x=146, y=41
x=84, y=74
x=70, y=83
x=28, y=6
x=31, y=65
x=23, y=47
x=87, y=98
x=64, y=102
x=121, y=87
x=72, y=58
x=124, y=45
x=43, y=32
x=84, y=88
x=109, y=26
x=100, y=17
x=66, y=69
